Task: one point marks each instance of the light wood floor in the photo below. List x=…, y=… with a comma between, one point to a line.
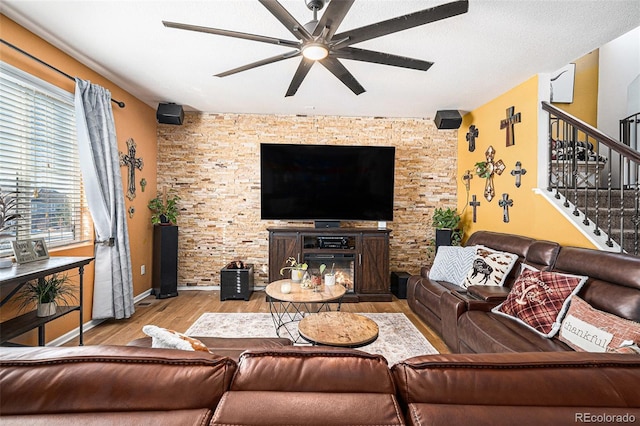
x=178, y=313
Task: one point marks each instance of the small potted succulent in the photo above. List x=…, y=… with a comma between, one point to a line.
x=448, y=227
x=47, y=293
x=297, y=269
x=164, y=209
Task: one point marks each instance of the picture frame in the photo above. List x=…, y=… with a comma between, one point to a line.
x=562, y=83
x=31, y=250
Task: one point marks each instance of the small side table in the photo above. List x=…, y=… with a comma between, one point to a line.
x=288, y=308
x=343, y=329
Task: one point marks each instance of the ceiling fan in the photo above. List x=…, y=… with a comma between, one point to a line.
x=317, y=40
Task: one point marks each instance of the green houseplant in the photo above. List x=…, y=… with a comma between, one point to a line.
x=297, y=269
x=47, y=293
x=448, y=227
x=164, y=209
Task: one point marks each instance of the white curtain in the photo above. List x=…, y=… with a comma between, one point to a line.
x=100, y=165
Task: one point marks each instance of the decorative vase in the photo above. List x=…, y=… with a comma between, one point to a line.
x=296, y=275
x=329, y=279
x=46, y=309
x=285, y=287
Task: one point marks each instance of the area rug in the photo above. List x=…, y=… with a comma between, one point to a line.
x=398, y=338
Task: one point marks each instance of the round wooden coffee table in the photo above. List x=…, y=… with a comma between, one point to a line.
x=291, y=307
x=338, y=329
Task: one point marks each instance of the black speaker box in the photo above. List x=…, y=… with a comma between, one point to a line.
x=448, y=119
x=399, y=284
x=170, y=114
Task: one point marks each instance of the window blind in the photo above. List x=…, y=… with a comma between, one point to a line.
x=39, y=164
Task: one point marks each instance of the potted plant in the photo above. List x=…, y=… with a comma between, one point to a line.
x=448, y=227
x=7, y=205
x=47, y=293
x=297, y=269
x=164, y=209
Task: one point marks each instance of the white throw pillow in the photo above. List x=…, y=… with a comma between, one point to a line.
x=169, y=339
x=489, y=267
x=452, y=263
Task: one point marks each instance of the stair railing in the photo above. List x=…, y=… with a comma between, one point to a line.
x=578, y=166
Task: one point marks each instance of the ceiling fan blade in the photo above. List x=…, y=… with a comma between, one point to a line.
x=332, y=17
x=404, y=22
x=301, y=73
x=381, y=58
x=337, y=69
x=260, y=63
x=286, y=19
x=235, y=34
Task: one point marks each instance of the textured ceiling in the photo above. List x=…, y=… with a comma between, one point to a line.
x=479, y=55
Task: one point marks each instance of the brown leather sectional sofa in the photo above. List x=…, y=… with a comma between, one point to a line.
x=125, y=385
x=464, y=319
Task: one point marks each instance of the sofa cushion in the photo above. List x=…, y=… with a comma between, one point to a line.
x=522, y=389
x=490, y=267
x=169, y=339
x=614, y=279
x=587, y=329
x=310, y=385
x=452, y=263
x=98, y=379
x=480, y=331
x=539, y=299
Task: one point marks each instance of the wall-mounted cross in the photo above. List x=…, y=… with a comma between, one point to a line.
x=505, y=203
x=491, y=168
x=471, y=137
x=466, y=178
x=474, y=204
x=508, y=124
x=132, y=164
x=518, y=172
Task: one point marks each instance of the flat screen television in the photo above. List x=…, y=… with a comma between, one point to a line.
x=326, y=183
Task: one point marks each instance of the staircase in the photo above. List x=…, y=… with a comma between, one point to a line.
x=596, y=178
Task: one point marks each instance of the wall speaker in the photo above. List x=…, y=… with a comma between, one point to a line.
x=170, y=114
x=448, y=119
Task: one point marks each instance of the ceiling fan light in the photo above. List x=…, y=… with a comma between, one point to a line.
x=315, y=51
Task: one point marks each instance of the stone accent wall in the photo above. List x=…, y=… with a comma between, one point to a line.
x=213, y=162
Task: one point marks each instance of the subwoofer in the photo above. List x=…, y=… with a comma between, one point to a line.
x=170, y=114
x=448, y=119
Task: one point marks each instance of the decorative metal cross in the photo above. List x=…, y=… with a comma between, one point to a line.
x=518, y=172
x=474, y=204
x=466, y=178
x=132, y=164
x=508, y=124
x=471, y=137
x=491, y=168
x=505, y=203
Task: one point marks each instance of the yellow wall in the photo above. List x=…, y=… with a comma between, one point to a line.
x=136, y=120
x=585, y=90
x=531, y=215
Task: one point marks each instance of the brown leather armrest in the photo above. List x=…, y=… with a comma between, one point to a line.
x=489, y=293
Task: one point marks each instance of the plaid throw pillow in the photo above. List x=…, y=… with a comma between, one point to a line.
x=540, y=299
